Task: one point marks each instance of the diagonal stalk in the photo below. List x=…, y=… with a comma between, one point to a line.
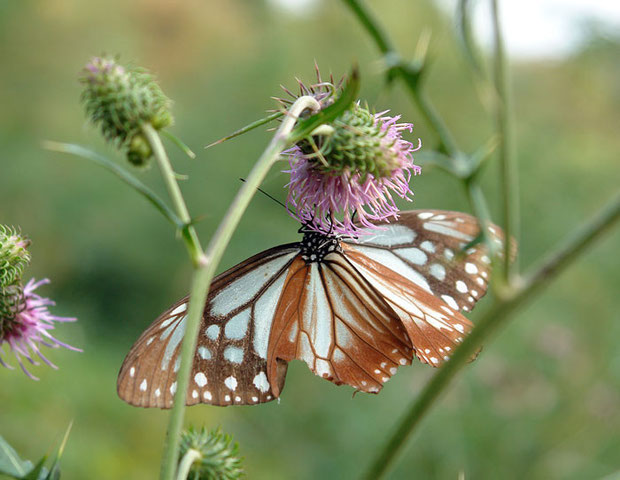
x=495, y=318
x=409, y=75
x=191, y=240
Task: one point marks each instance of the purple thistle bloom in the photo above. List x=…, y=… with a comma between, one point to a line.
x=353, y=173
x=29, y=328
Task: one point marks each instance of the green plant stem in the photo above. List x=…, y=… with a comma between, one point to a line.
x=508, y=170
x=408, y=73
x=496, y=317
x=191, y=240
x=481, y=211
x=205, y=271
x=186, y=463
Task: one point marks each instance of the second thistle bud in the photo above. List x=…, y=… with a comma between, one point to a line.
x=215, y=455
x=121, y=100
x=14, y=258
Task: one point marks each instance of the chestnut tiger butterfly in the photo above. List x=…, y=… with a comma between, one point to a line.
x=354, y=309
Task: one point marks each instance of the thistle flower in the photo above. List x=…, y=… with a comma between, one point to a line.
x=213, y=455
x=120, y=100
x=25, y=320
x=352, y=167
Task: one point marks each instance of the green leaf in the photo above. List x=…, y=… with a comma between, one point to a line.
x=38, y=472
x=347, y=97
x=123, y=174
x=247, y=128
x=10, y=463
x=179, y=143
x=54, y=473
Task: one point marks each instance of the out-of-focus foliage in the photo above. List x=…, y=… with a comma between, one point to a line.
x=540, y=402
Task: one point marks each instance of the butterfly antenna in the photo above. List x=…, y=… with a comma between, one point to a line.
x=267, y=194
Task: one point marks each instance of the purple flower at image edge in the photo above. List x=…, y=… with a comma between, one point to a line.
x=31, y=327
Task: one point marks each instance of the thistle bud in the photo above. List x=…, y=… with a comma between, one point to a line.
x=120, y=100
x=216, y=455
x=351, y=166
x=14, y=256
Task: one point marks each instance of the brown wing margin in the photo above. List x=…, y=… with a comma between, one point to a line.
x=226, y=370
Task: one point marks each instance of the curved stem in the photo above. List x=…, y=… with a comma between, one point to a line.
x=186, y=463
x=409, y=75
x=496, y=317
x=205, y=270
x=191, y=240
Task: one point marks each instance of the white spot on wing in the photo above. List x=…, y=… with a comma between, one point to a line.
x=450, y=301
x=237, y=326
x=461, y=286
x=425, y=215
x=204, y=353
x=200, y=379
x=450, y=232
x=143, y=385
x=392, y=235
x=180, y=309
x=414, y=255
x=233, y=354
x=230, y=382
x=132, y=371
x=213, y=332
x=428, y=246
x=438, y=271
x=260, y=382
x=471, y=268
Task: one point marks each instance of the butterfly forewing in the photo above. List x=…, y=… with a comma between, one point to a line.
x=332, y=319
x=426, y=247
x=419, y=267
x=229, y=365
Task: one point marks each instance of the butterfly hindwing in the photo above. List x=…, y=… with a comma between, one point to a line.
x=332, y=319
x=229, y=364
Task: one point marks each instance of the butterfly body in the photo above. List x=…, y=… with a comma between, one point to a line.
x=353, y=310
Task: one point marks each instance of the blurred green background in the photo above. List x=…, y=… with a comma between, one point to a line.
x=542, y=399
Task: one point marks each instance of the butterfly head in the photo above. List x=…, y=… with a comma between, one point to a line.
x=315, y=246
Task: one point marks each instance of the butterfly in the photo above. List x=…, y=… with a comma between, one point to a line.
x=353, y=309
